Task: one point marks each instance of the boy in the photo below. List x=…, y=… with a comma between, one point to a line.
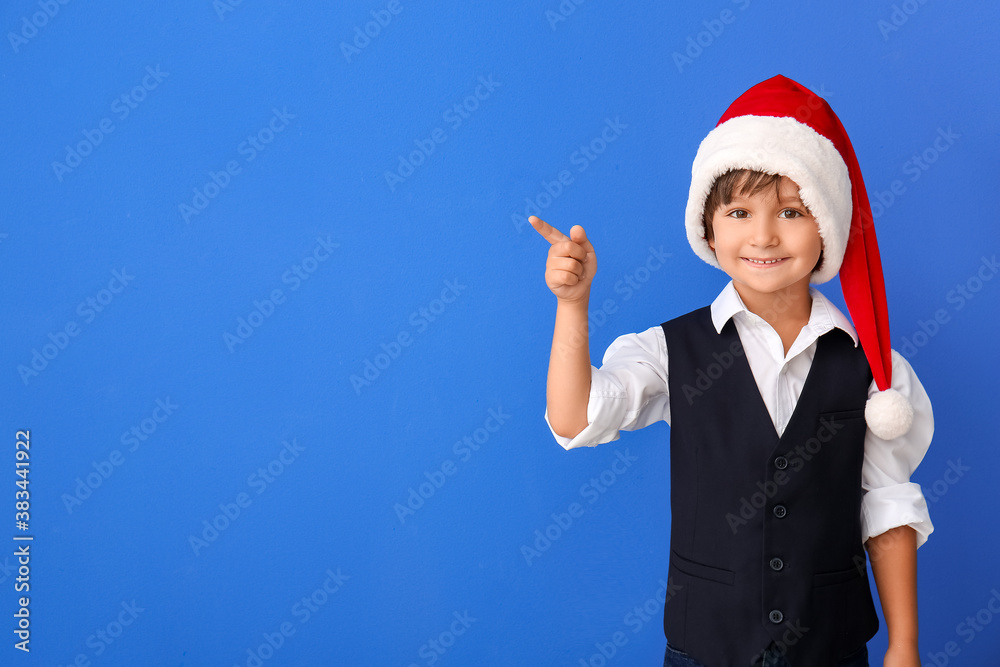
x=793, y=432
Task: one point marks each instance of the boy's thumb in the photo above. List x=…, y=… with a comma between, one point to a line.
x=578, y=235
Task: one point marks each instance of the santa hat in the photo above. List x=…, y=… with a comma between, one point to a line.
x=781, y=127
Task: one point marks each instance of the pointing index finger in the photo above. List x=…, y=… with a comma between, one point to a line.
x=551, y=234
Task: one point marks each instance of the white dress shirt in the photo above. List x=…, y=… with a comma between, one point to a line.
x=629, y=391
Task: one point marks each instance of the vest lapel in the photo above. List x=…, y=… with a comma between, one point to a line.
x=747, y=379
x=820, y=358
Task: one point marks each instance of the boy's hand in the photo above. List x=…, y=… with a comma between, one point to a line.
x=572, y=262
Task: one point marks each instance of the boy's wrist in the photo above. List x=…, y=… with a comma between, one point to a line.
x=903, y=639
x=571, y=304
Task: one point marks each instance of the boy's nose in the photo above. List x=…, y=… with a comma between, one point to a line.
x=764, y=232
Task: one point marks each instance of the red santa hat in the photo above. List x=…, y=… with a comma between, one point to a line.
x=781, y=127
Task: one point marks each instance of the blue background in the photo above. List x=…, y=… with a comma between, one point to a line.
x=331, y=119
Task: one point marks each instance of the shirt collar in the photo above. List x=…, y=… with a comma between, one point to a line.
x=823, y=317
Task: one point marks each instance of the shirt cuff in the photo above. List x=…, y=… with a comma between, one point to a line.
x=889, y=507
x=606, y=410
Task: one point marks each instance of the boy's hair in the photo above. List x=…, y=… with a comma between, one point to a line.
x=749, y=182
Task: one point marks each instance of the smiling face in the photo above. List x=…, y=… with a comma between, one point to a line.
x=767, y=242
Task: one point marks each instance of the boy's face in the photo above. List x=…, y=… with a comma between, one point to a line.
x=768, y=244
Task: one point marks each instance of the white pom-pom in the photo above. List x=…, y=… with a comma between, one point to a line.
x=888, y=414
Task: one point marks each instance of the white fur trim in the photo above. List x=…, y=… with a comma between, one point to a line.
x=888, y=414
x=776, y=145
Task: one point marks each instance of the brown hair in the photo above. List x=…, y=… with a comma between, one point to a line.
x=750, y=182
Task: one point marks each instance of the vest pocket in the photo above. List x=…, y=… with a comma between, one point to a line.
x=701, y=571
x=837, y=577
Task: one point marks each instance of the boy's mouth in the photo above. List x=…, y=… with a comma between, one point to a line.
x=763, y=262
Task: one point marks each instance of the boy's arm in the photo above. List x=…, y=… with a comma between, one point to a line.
x=893, y=556
x=569, y=271
x=568, y=387
x=895, y=515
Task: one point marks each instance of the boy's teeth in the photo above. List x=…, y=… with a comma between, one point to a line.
x=766, y=261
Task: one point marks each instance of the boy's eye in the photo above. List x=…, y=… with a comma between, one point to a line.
x=790, y=213
x=738, y=213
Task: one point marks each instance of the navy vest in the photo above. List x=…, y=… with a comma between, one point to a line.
x=765, y=537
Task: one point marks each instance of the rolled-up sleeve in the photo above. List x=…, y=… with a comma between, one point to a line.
x=891, y=499
x=628, y=391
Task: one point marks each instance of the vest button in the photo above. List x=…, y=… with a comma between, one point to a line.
x=777, y=564
x=779, y=511
x=781, y=463
x=776, y=616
